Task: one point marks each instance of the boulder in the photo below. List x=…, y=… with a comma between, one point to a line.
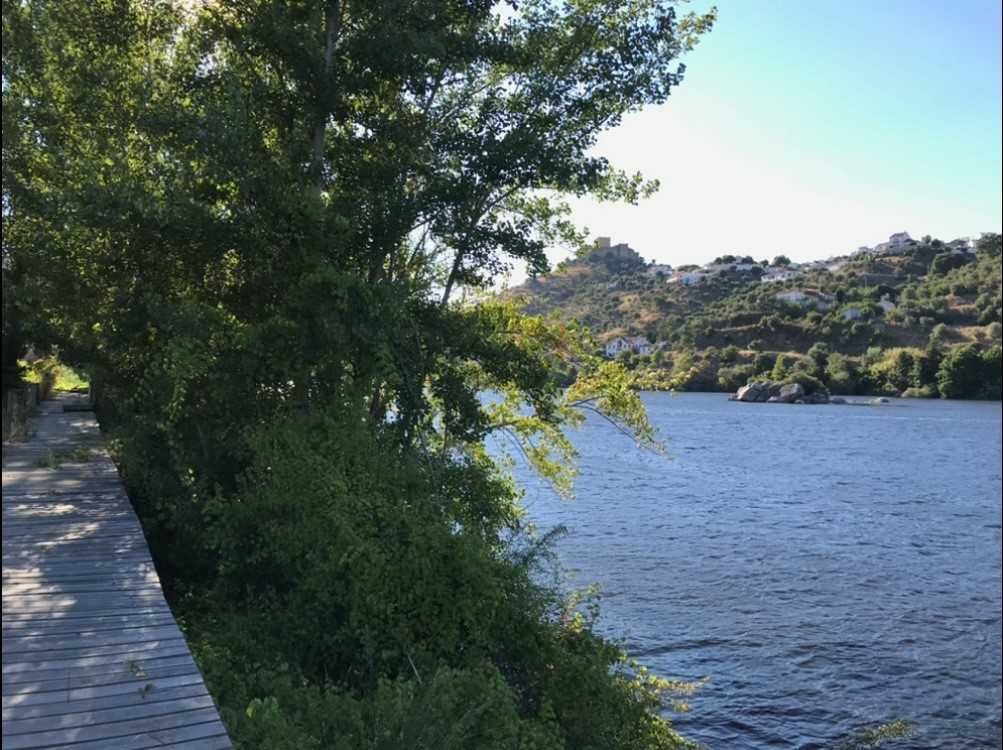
x=789, y=393
x=752, y=392
x=837, y=400
x=779, y=393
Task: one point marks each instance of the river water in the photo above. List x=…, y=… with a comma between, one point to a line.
x=827, y=568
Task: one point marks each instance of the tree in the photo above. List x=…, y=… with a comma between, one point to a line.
x=989, y=245
x=279, y=217
x=840, y=374
x=965, y=373
x=819, y=355
x=944, y=262
x=780, y=369
x=781, y=260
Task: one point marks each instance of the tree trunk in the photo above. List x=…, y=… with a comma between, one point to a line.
x=332, y=32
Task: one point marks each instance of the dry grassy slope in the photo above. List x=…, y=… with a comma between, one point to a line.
x=734, y=310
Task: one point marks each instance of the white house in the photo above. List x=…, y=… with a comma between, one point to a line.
x=687, y=278
x=887, y=305
x=778, y=273
x=615, y=346
x=794, y=297
x=636, y=344
x=807, y=299
x=641, y=345
x=853, y=313
x=960, y=246
x=656, y=269
x=895, y=245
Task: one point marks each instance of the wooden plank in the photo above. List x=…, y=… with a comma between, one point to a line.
x=59, y=642
x=135, y=697
x=105, y=733
x=92, y=656
x=134, y=674
x=126, y=690
x=191, y=737
x=16, y=664
x=78, y=628
x=111, y=715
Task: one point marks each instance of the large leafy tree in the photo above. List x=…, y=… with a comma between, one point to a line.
x=253, y=220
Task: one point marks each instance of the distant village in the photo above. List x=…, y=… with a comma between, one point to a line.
x=899, y=243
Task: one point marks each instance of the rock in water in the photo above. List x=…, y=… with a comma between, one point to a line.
x=789, y=393
x=779, y=393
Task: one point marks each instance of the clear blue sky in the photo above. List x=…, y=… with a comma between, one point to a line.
x=811, y=128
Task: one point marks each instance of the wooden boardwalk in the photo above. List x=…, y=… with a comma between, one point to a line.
x=92, y=656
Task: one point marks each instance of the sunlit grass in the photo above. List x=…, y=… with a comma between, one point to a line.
x=65, y=377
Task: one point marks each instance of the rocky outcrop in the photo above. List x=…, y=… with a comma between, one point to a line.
x=780, y=393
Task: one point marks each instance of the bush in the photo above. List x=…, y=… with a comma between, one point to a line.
x=969, y=372
x=840, y=374
x=338, y=560
x=810, y=384
x=733, y=378
x=762, y=363
x=729, y=354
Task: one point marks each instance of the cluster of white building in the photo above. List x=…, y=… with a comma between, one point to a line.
x=901, y=243
x=812, y=298
x=898, y=244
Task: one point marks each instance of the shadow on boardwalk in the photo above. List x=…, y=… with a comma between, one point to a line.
x=92, y=656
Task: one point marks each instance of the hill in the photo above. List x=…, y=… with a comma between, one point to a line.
x=914, y=317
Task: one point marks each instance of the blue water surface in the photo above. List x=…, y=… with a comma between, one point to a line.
x=828, y=568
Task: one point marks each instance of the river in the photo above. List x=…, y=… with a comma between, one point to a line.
x=827, y=568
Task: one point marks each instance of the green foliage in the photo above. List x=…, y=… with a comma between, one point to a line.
x=53, y=375
x=729, y=355
x=808, y=382
x=733, y=378
x=896, y=369
x=730, y=309
x=284, y=219
x=970, y=371
x=763, y=362
x=841, y=374
x=780, y=369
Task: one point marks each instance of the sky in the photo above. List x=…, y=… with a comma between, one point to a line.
x=812, y=128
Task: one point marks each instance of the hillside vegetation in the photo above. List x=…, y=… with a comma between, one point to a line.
x=922, y=322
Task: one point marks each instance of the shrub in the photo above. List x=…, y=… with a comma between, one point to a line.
x=840, y=374
x=969, y=372
x=729, y=354
x=733, y=378
x=763, y=363
x=806, y=381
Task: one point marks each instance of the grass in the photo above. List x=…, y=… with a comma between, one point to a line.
x=65, y=378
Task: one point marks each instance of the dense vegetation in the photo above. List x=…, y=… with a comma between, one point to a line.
x=248, y=222
x=922, y=323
